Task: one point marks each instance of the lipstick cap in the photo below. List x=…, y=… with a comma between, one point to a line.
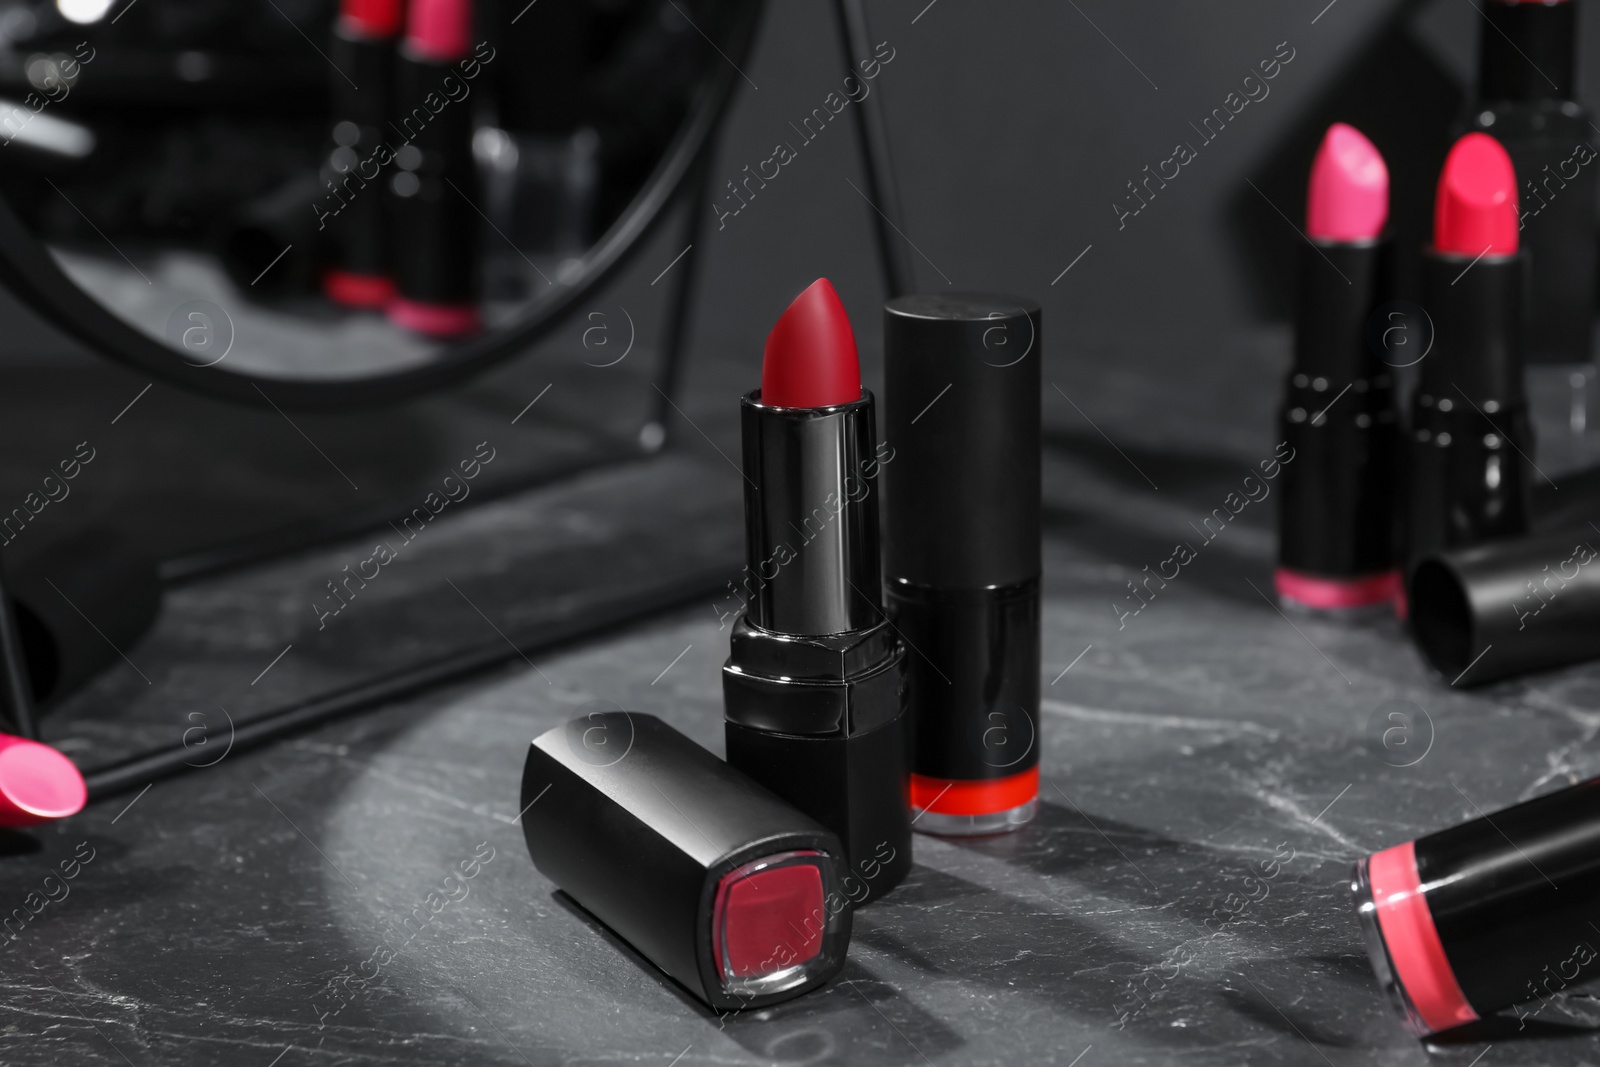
x=1509, y=607
x=729, y=890
x=961, y=414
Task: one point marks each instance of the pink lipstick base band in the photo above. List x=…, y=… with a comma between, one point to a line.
x=1336, y=594
x=436, y=320
x=1404, y=944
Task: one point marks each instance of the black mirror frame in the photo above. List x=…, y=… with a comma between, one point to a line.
x=29, y=270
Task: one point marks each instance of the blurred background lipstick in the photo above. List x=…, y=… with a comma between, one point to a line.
x=1336, y=520
x=435, y=186
x=1527, y=99
x=358, y=272
x=1470, y=475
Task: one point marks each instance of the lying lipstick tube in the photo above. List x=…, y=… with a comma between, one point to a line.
x=730, y=891
x=813, y=689
x=1486, y=915
x=1469, y=475
x=1336, y=519
x=436, y=223
x=363, y=45
x=961, y=511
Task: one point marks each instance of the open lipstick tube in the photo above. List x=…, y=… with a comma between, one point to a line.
x=813, y=689
x=961, y=511
x=1337, y=529
x=732, y=892
x=1490, y=914
x=1469, y=475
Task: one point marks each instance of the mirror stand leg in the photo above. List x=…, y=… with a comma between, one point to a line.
x=670, y=372
x=877, y=166
x=16, y=694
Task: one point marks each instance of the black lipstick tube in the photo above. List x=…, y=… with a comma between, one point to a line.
x=1486, y=915
x=359, y=272
x=1509, y=607
x=813, y=690
x=1337, y=530
x=1469, y=475
x=435, y=189
x=1526, y=101
x=962, y=551
x=730, y=891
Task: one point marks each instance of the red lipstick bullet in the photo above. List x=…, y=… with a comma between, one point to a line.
x=1469, y=478
x=810, y=359
x=1336, y=524
x=813, y=690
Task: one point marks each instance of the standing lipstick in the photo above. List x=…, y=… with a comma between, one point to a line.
x=1488, y=914
x=358, y=273
x=961, y=515
x=1526, y=100
x=1336, y=526
x=1470, y=435
x=436, y=224
x=813, y=689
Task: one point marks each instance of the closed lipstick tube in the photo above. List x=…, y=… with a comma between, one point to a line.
x=1490, y=914
x=730, y=891
x=961, y=515
x=359, y=272
x=1469, y=475
x=813, y=688
x=1527, y=101
x=1337, y=547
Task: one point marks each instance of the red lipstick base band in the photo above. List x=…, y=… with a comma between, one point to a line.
x=1404, y=945
x=1307, y=591
x=958, y=808
x=358, y=290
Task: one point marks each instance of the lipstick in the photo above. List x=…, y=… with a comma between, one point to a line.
x=1526, y=99
x=358, y=273
x=813, y=689
x=37, y=783
x=1469, y=476
x=436, y=224
x=1488, y=914
x=733, y=893
x=1336, y=524
x=961, y=517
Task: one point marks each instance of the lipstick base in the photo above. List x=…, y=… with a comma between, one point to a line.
x=1336, y=597
x=936, y=824
x=1378, y=951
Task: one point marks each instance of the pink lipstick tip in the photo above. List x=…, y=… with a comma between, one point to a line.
x=1475, y=211
x=1348, y=198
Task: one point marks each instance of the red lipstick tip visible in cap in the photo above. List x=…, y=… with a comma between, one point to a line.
x=37, y=783
x=372, y=18
x=1475, y=212
x=440, y=30
x=810, y=359
x=1348, y=199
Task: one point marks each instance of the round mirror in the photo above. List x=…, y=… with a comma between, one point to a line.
x=343, y=201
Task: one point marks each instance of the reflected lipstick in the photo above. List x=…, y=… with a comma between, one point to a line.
x=813, y=688
x=359, y=273
x=1336, y=527
x=436, y=224
x=1470, y=433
